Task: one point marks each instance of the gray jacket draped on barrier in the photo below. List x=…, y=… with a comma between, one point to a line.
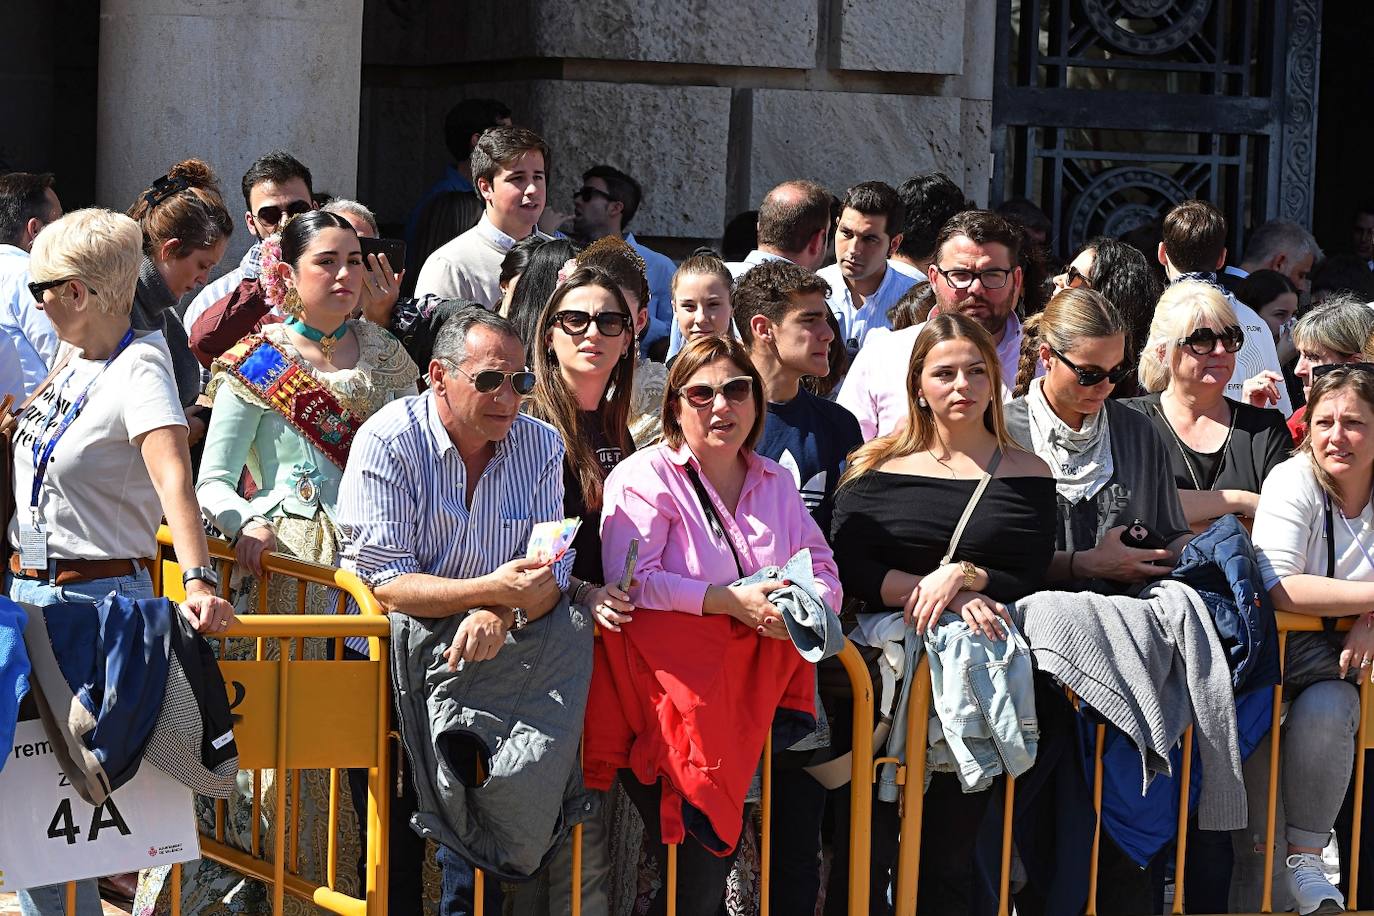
x=520, y=713
x=1151, y=666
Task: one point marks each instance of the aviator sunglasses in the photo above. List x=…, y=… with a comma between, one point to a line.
x=271, y=214
x=488, y=380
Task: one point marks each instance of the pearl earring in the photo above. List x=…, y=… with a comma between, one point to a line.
x=921, y=401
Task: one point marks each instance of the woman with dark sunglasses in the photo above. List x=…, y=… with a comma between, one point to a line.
x=1110, y=464
x=1220, y=450
x=685, y=694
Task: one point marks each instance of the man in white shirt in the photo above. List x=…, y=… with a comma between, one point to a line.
x=863, y=284
x=929, y=200
x=509, y=169
x=604, y=205
x=1194, y=248
x=27, y=204
x=794, y=225
x=275, y=187
x=975, y=273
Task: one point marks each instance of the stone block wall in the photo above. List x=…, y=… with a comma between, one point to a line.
x=709, y=104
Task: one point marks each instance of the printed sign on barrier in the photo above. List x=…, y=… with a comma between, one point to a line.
x=52, y=835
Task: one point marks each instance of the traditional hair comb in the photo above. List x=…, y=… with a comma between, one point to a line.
x=164, y=188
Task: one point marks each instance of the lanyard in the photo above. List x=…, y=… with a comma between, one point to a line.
x=42, y=452
x=1354, y=539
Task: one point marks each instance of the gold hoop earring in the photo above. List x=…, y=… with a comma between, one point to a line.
x=291, y=304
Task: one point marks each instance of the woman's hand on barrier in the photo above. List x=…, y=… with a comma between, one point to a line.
x=253, y=542
x=611, y=607
x=1111, y=559
x=982, y=614
x=208, y=613
x=931, y=596
x=480, y=636
x=524, y=583
x=1359, y=648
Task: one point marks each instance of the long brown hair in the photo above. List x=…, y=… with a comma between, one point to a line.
x=919, y=432
x=555, y=403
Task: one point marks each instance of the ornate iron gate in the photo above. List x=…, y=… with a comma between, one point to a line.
x=1107, y=112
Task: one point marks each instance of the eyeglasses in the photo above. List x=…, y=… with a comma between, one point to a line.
x=959, y=278
x=737, y=390
x=609, y=324
x=1319, y=371
x=1204, y=340
x=586, y=194
x=1090, y=377
x=271, y=214
x=1074, y=279
x=489, y=380
x=37, y=289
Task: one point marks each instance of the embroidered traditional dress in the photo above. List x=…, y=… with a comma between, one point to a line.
x=290, y=425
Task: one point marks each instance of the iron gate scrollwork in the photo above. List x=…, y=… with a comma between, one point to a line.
x=1108, y=112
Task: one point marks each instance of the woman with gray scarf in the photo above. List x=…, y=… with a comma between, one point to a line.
x=186, y=228
x=1109, y=462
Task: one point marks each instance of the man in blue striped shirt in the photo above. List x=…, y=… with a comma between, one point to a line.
x=436, y=508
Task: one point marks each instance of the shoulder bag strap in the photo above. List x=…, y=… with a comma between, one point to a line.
x=1329, y=623
x=972, y=504
x=42, y=387
x=717, y=527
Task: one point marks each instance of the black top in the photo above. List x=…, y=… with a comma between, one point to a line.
x=587, y=543
x=1259, y=443
x=886, y=521
x=812, y=438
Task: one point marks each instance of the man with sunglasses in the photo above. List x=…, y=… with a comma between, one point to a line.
x=436, y=508
x=604, y=205
x=1194, y=248
x=975, y=273
x=275, y=187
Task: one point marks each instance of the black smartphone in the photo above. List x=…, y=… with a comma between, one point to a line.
x=394, y=249
x=1138, y=534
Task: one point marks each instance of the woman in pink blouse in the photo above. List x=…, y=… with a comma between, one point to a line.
x=684, y=696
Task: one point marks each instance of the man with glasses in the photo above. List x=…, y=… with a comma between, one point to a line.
x=436, y=508
x=1194, y=248
x=975, y=273
x=27, y=204
x=275, y=187
x=604, y=205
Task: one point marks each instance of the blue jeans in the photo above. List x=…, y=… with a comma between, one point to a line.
x=52, y=899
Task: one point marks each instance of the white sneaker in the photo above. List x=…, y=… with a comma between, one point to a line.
x=1311, y=891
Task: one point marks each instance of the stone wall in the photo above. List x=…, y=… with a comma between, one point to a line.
x=708, y=104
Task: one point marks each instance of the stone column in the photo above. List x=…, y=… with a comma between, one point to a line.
x=226, y=82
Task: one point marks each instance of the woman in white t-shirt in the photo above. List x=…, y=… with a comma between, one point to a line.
x=1314, y=535
x=100, y=455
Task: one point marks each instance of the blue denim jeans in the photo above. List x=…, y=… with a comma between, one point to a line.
x=52, y=899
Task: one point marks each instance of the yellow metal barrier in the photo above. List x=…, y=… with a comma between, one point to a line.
x=293, y=715
x=912, y=774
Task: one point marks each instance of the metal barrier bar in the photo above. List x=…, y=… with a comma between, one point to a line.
x=911, y=780
x=1181, y=831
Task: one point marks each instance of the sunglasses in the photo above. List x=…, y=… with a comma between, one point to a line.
x=37, y=289
x=1319, y=371
x=1074, y=279
x=588, y=194
x=271, y=214
x=489, y=380
x=1204, y=340
x=993, y=278
x=1090, y=377
x=737, y=390
x=609, y=324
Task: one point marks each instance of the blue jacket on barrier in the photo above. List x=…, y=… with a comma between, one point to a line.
x=1220, y=565
x=14, y=672
x=99, y=677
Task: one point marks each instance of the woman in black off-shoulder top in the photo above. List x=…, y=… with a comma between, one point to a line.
x=895, y=513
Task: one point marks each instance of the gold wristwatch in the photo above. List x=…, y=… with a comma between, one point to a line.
x=970, y=574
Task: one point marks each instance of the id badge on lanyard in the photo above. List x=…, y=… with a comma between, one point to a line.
x=33, y=536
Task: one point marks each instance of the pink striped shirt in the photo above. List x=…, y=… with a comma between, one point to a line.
x=650, y=496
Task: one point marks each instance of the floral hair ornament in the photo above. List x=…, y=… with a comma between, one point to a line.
x=566, y=270
x=271, y=281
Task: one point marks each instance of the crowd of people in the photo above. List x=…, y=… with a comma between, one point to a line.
x=887, y=414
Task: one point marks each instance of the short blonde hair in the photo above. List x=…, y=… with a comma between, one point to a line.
x=1182, y=309
x=99, y=247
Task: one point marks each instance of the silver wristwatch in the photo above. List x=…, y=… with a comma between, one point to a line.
x=519, y=619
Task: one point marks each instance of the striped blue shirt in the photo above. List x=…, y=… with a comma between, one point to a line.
x=401, y=501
